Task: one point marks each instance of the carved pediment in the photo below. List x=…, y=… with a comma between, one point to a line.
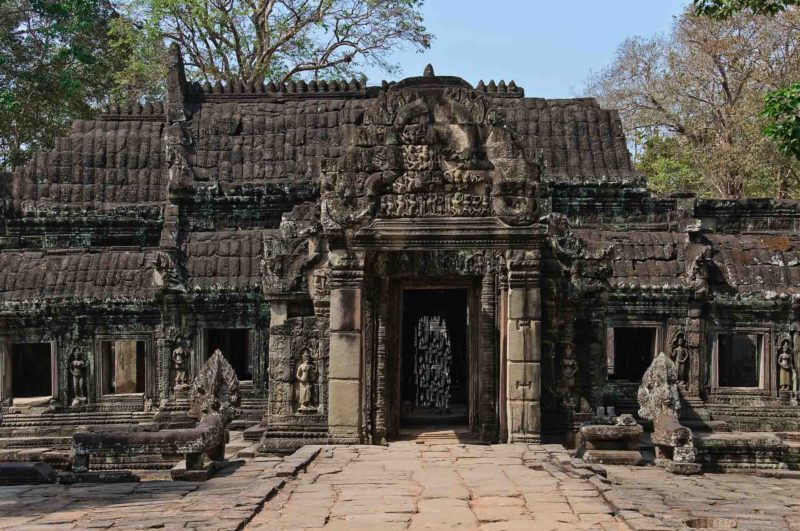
x=432, y=149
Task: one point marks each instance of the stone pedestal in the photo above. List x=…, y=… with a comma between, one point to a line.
x=612, y=445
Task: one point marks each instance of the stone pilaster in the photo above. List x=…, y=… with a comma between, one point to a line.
x=523, y=347
x=381, y=404
x=345, y=415
x=695, y=339
x=488, y=358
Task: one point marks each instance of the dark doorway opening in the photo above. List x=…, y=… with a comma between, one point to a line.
x=31, y=370
x=235, y=346
x=740, y=360
x=634, y=349
x=434, y=382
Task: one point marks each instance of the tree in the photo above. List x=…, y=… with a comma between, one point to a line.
x=54, y=67
x=702, y=87
x=782, y=107
x=267, y=39
x=722, y=9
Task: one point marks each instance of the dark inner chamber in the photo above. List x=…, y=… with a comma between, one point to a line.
x=31, y=370
x=431, y=392
x=235, y=346
x=633, y=352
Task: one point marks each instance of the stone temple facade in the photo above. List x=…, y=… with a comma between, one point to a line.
x=370, y=258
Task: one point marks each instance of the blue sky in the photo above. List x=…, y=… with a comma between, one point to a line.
x=548, y=47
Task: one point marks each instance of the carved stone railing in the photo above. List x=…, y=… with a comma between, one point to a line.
x=214, y=399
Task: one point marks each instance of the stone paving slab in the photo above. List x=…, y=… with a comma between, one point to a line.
x=412, y=485
x=435, y=485
x=225, y=502
x=652, y=499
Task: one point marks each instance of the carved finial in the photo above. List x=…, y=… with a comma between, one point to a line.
x=215, y=390
x=428, y=71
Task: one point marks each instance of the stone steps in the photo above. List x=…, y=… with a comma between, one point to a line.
x=34, y=442
x=253, y=410
x=789, y=436
x=706, y=425
x=757, y=418
x=458, y=435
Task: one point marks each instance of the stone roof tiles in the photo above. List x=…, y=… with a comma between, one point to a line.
x=102, y=275
x=757, y=263
x=226, y=260
x=120, y=158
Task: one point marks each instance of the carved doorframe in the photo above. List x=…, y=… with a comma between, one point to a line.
x=390, y=276
x=394, y=342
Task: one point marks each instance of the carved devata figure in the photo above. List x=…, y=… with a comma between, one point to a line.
x=306, y=376
x=785, y=365
x=567, y=385
x=180, y=361
x=77, y=371
x=680, y=357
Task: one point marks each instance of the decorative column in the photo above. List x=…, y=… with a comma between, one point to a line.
x=346, y=345
x=381, y=404
x=488, y=364
x=523, y=347
x=698, y=367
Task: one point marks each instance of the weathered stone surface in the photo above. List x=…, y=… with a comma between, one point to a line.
x=659, y=401
x=214, y=400
x=279, y=216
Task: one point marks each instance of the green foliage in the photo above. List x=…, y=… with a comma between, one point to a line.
x=782, y=109
x=694, y=100
x=722, y=9
x=54, y=67
x=668, y=169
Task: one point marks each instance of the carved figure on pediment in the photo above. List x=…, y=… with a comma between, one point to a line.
x=785, y=365
x=680, y=356
x=699, y=273
x=306, y=376
x=177, y=141
x=564, y=241
x=455, y=161
x=167, y=273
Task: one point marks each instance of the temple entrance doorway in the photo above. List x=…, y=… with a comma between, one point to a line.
x=31, y=370
x=434, y=358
